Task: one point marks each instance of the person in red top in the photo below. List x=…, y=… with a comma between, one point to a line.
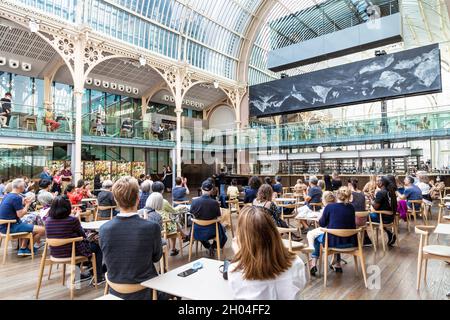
x=72, y=194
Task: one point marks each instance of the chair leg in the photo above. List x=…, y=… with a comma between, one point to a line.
x=64, y=274
x=181, y=245
x=94, y=268
x=72, y=280
x=41, y=273
x=190, y=248
x=425, y=271
x=396, y=236
x=5, y=250
x=106, y=289
x=383, y=242
x=376, y=236
x=32, y=246
x=50, y=271
x=218, y=247
x=166, y=260
x=419, y=269
x=325, y=268
x=363, y=266
x=355, y=260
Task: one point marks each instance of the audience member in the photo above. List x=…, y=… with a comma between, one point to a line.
x=45, y=174
x=340, y=215
x=250, y=193
x=277, y=186
x=130, y=245
x=327, y=198
x=146, y=190
x=264, y=200
x=336, y=182
x=206, y=208
x=61, y=225
x=14, y=207
x=263, y=268
x=181, y=190
x=106, y=199
x=233, y=191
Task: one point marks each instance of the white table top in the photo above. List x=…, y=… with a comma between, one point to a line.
x=93, y=225
x=285, y=200
x=442, y=228
x=205, y=284
x=88, y=199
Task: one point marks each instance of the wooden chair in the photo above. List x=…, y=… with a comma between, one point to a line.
x=316, y=206
x=123, y=288
x=184, y=203
x=296, y=246
x=73, y=260
x=285, y=190
x=287, y=217
x=442, y=217
x=356, y=252
x=427, y=252
x=365, y=214
x=14, y=236
x=30, y=122
x=204, y=223
x=414, y=212
x=376, y=226
x=104, y=208
x=173, y=235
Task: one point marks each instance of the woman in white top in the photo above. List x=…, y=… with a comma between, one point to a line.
x=262, y=267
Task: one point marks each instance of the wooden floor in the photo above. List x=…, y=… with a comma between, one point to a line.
x=18, y=277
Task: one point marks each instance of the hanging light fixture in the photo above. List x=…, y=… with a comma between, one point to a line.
x=216, y=84
x=142, y=61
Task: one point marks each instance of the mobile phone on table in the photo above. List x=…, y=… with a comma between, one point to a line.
x=187, y=272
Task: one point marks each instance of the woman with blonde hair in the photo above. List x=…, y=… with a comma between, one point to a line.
x=327, y=198
x=263, y=268
x=340, y=215
x=264, y=200
x=370, y=187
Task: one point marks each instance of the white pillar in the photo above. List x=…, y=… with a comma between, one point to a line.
x=76, y=154
x=178, y=111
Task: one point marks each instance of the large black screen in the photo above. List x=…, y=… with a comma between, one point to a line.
x=410, y=72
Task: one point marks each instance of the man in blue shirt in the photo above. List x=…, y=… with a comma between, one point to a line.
x=412, y=192
x=180, y=190
x=14, y=207
x=278, y=187
x=45, y=174
x=314, y=192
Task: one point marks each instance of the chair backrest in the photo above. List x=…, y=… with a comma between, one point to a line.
x=61, y=242
x=424, y=232
x=314, y=205
x=341, y=232
x=362, y=214
x=124, y=288
x=205, y=223
x=8, y=222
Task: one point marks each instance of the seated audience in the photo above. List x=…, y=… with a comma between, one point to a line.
x=336, y=182
x=206, y=208
x=263, y=268
x=233, y=191
x=45, y=199
x=253, y=186
x=14, y=207
x=72, y=194
x=146, y=190
x=370, y=187
x=314, y=195
x=300, y=187
x=106, y=199
x=385, y=200
x=181, y=190
x=277, y=186
x=130, y=245
x=340, y=215
x=327, y=198
x=264, y=200
x=437, y=188
x=60, y=224
x=358, y=200
x=268, y=180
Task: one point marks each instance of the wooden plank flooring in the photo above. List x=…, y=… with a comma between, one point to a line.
x=18, y=277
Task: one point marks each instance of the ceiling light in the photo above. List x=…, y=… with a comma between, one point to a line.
x=33, y=25
x=216, y=84
x=142, y=61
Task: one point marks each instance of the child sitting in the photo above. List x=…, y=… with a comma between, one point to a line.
x=327, y=198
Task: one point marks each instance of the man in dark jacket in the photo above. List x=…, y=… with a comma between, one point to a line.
x=206, y=208
x=130, y=245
